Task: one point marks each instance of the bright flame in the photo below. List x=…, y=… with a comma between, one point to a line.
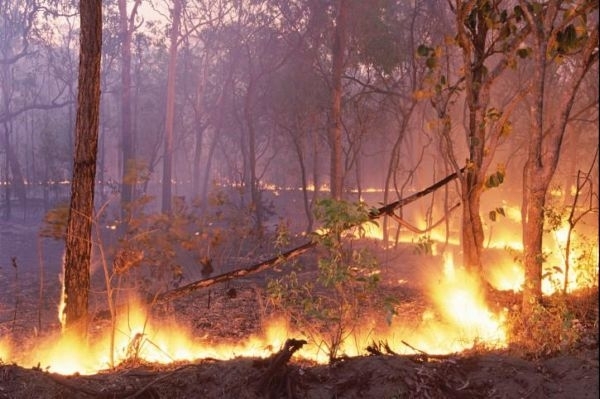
x=63, y=302
x=583, y=261
x=136, y=336
x=458, y=321
x=507, y=277
x=460, y=299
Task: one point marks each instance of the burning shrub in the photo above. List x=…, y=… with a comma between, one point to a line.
x=555, y=326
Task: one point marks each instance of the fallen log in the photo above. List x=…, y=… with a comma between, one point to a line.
x=292, y=253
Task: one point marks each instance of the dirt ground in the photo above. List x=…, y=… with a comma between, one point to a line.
x=493, y=375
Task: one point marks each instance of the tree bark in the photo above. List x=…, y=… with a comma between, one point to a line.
x=335, y=129
x=79, y=228
x=170, y=112
x=127, y=185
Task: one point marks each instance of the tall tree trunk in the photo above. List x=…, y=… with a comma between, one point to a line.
x=546, y=136
x=255, y=194
x=78, y=245
x=170, y=112
x=473, y=40
x=199, y=115
x=335, y=129
x=7, y=188
x=127, y=183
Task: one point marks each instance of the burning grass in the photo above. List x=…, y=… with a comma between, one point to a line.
x=396, y=370
x=446, y=314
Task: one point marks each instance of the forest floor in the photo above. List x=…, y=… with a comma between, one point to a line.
x=471, y=374
x=231, y=311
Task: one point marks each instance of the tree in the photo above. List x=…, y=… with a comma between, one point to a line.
x=484, y=30
x=126, y=26
x=335, y=124
x=24, y=48
x=79, y=226
x=170, y=112
x=565, y=43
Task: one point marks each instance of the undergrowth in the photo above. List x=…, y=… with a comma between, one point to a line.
x=562, y=323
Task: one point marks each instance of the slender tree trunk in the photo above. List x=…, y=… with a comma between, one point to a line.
x=472, y=227
x=200, y=128
x=474, y=56
x=335, y=130
x=255, y=194
x=78, y=245
x=170, y=113
x=298, y=144
x=7, y=188
x=127, y=183
x=546, y=137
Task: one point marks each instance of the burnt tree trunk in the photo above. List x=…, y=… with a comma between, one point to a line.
x=79, y=228
x=546, y=133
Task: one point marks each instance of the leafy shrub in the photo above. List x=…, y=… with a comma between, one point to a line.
x=328, y=306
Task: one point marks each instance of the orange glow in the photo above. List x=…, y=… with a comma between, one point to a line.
x=465, y=312
x=509, y=275
x=138, y=337
x=458, y=321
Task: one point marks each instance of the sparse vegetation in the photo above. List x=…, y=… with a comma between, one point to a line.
x=330, y=304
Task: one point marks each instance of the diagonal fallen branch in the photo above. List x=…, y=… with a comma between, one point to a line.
x=258, y=267
x=292, y=253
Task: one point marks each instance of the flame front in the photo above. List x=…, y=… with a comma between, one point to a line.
x=457, y=320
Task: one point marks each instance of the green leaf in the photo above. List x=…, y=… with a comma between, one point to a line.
x=492, y=181
x=500, y=176
x=518, y=13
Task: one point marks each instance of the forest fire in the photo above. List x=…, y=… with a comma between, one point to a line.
x=458, y=320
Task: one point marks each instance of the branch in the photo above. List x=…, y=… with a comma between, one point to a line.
x=415, y=229
x=7, y=116
x=292, y=253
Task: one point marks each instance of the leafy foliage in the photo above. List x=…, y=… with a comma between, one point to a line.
x=185, y=244
x=328, y=305
x=493, y=214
